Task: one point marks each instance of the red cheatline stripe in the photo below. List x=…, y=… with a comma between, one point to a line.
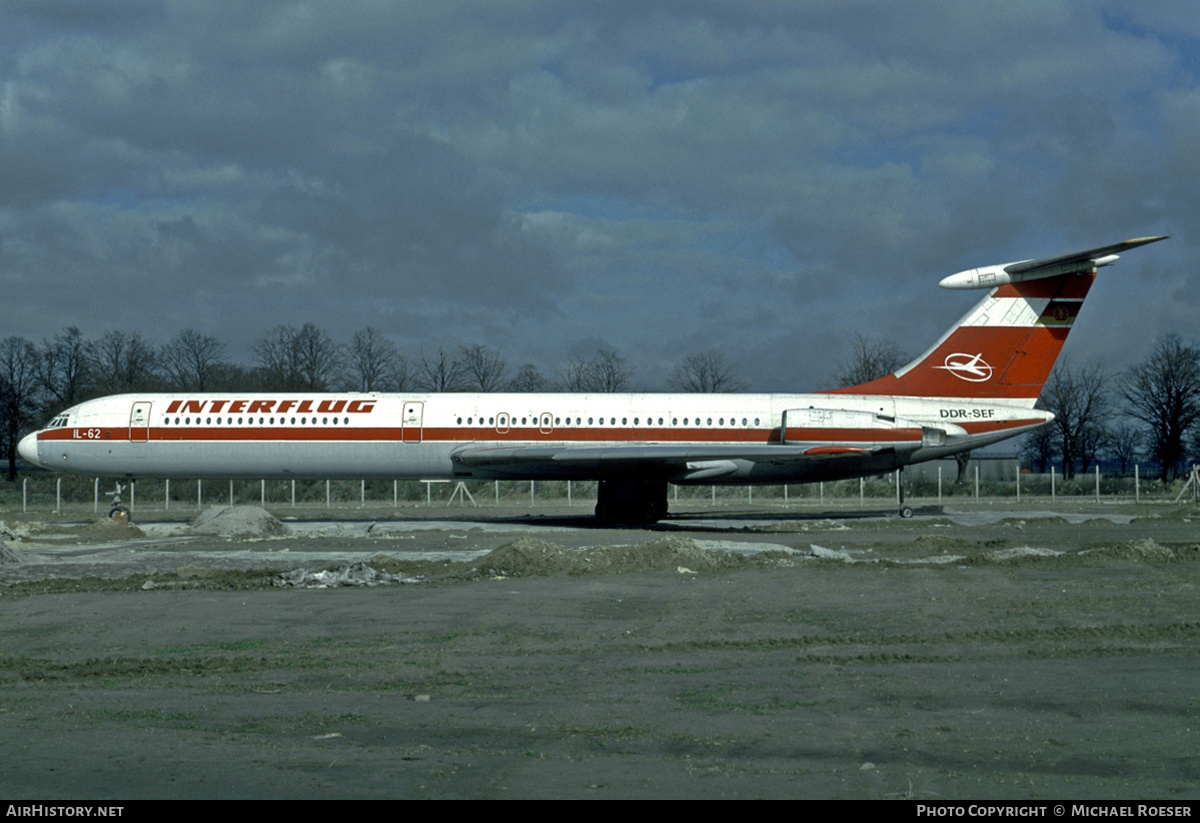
x=355, y=434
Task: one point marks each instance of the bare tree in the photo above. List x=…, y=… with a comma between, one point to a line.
x=1079, y=400
x=64, y=369
x=609, y=372
x=303, y=359
x=1041, y=448
x=870, y=358
x=439, y=372
x=705, y=372
x=18, y=395
x=1124, y=442
x=375, y=364
x=575, y=376
x=1164, y=393
x=318, y=358
x=122, y=362
x=483, y=369
x=192, y=361
x=528, y=379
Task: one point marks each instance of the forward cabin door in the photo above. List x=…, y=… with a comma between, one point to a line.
x=139, y=422
x=410, y=424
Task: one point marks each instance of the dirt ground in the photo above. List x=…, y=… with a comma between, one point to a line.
x=973, y=653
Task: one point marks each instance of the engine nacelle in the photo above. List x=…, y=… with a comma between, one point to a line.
x=862, y=430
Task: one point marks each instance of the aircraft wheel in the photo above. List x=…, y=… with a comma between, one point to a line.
x=906, y=512
x=120, y=514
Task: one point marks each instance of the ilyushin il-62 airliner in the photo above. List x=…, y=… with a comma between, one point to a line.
x=975, y=386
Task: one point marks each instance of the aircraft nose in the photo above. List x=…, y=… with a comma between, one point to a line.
x=28, y=449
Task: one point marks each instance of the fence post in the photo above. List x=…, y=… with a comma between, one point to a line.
x=362, y=493
x=1018, y=481
x=231, y=491
x=1051, y=482
x=262, y=492
x=24, y=494
x=327, y=494
x=1137, y=486
x=199, y=496
x=1097, y=482
x=167, y=496
x=58, y=496
x=862, y=491
x=96, y=495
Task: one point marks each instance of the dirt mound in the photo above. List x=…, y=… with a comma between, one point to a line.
x=105, y=528
x=530, y=557
x=1145, y=549
x=238, y=521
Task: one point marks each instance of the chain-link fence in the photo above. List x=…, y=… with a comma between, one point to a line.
x=48, y=492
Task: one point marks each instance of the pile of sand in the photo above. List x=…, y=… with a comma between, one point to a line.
x=1145, y=549
x=530, y=557
x=238, y=521
x=356, y=574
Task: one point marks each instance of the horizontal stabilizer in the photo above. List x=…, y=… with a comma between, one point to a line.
x=987, y=277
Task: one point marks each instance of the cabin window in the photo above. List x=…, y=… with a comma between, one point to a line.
x=459, y=420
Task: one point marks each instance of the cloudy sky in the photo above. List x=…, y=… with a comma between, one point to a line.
x=759, y=176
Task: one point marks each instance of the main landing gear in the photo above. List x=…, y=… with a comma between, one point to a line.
x=631, y=501
x=905, y=511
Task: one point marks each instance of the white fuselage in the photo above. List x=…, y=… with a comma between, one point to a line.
x=681, y=438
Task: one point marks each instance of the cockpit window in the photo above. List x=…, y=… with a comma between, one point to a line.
x=58, y=422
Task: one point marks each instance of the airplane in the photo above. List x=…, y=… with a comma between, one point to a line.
x=975, y=386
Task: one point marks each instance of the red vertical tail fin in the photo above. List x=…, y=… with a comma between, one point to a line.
x=1004, y=347
x=1007, y=344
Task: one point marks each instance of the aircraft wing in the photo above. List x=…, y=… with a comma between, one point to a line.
x=690, y=462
